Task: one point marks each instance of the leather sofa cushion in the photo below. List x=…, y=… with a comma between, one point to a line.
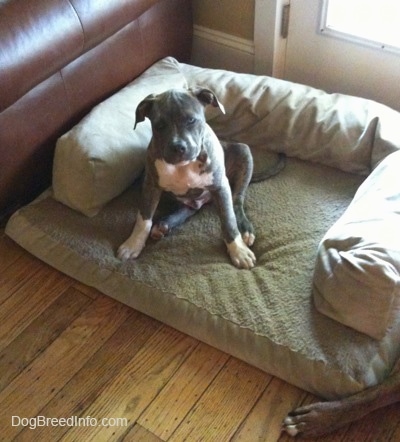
x=44, y=36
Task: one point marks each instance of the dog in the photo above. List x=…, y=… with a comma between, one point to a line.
x=187, y=160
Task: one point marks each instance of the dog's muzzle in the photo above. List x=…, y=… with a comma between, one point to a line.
x=179, y=151
x=178, y=147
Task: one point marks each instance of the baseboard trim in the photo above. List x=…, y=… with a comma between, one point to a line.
x=217, y=49
x=231, y=41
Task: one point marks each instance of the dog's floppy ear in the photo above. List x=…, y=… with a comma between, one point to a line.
x=205, y=96
x=143, y=109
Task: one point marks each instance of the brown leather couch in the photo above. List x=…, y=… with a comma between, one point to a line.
x=58, y=58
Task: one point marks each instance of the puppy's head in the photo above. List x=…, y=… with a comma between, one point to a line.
x=178, y=121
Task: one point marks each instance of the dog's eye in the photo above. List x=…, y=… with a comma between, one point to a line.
x=191, y=120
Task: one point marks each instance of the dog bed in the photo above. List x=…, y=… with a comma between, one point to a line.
x=265, y=316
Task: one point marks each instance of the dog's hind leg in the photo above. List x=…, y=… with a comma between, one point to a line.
x=324, y=417
x=239, y=170
x=164, y=225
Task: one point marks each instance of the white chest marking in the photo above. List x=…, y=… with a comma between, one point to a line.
x=180, y=178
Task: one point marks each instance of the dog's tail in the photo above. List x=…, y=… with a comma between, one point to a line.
x=263, y=168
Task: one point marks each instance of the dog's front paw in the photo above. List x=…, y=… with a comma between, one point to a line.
x=244, y=225
x=248, y=238
x=129, y=250
x=132, y=247
x=241, y=256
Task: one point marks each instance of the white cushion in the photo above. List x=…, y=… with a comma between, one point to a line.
x=102, y=155
x=357, y=273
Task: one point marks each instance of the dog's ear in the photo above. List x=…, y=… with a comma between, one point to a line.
x=206, y=97
x=143, y=109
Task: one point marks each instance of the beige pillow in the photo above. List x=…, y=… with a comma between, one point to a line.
x=102, y=155
x=357, y=273
x=350, y=133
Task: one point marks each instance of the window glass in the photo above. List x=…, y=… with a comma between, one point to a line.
x=374, y=22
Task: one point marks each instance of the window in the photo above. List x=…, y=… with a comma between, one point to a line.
x=372, y=22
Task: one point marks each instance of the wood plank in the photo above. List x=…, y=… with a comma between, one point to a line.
x=182, y=392
x=85, y=289
x=136, y=385
x=375, y=427
x=222, y=408
x=17, y=275
x=47, y=374
x=29, y=301
x=140, y=434
x=9, y=251
x=100, y=369
x=264, y=422
x=40, y=334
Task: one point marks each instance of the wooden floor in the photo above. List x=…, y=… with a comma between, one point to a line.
x=68, y=352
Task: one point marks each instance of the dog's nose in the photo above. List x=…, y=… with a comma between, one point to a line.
x=178, y=147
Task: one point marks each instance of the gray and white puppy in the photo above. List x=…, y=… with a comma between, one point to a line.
x=186, y=159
